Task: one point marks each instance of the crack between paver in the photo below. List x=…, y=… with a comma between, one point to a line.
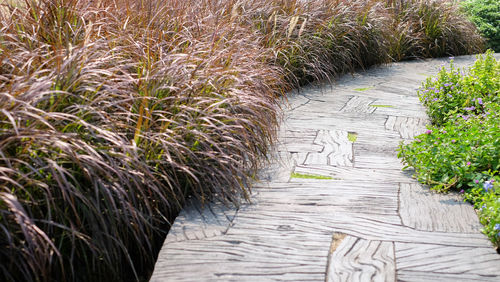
x=231, y=222
x=368, y=238
x=309, y=99
x=399, y=205
x=345, y=104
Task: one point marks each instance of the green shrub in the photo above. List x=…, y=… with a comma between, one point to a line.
x=485, y=195
x=486, y=15
x=457, y=91
x=449, y=156
x=460, y=151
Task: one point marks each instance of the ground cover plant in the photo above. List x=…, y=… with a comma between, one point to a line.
x=486, y=15
x=461, y=150
x=113, y=113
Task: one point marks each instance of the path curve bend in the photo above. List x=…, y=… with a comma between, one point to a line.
x=336, y=206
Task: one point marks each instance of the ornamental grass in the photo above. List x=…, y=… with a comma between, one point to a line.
x=113, y=113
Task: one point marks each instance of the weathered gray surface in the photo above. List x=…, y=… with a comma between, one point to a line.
x=369, y=222
x=424, y=210
x=354, y=259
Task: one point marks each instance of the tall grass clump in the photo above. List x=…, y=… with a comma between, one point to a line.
x=318, y=39
x=108, y=125
x=431, y=28
x=113, y=113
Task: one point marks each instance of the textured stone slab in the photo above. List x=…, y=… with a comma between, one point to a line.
x=354, y=259
x=266, y=219
x=377, y=161
x=407, y=127
x=483, y=262
x=336, y=121
x=336, y=151
x=358, y=104
x=318, y=147
x=376, y=142
x=250, y=257
x=300, y=141
x=423, y=210
x=330, y=197
x=421, y=276
x=406, y=89
x=197, y=221
x=397, y=108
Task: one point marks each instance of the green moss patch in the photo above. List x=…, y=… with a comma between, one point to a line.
x=352, y=136
x=382, y=106
x=363, y=88
x=309, y=176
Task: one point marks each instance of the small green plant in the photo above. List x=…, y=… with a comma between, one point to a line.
x=309, y=176
x=361, y=89
x=352, y=136
x=382, y=106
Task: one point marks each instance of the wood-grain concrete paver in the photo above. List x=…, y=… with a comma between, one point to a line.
x=335, y=205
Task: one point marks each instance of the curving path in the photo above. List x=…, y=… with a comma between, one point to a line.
x=336, y=206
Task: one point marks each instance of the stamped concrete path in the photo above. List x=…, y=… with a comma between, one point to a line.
x=368, y=221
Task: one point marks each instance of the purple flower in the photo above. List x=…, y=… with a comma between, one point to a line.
x=487, y=186
x=476, y=181
x=435, y=99
x=451, y=58
x=447, y=84
x=453, y=140
x=470, y=108
x=428, y=132
x=468, y=163
x=482, y=207
x=497, y=226
x=462, y=191
x=449, y=96
x=444, y=131
x=436, y=91
x=479, y=101
x=465, y=117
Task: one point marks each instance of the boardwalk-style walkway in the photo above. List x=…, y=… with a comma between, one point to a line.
x=368, y=221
